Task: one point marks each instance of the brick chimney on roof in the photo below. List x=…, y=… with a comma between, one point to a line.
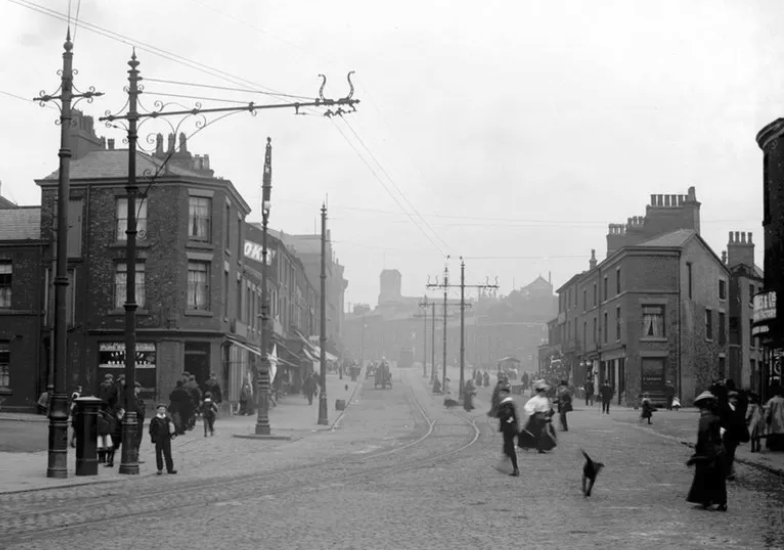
x=740, y=249
x=83, y=139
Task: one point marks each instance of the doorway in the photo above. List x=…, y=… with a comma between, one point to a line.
x=652, y=376
x=197, y=361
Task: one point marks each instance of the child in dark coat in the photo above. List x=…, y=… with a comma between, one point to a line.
x=647, y=408
x=209, y=412
x=162, y=432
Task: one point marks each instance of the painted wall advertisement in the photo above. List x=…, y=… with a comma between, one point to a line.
x=111, y=360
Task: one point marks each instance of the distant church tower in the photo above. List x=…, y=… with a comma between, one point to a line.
x=391, y=281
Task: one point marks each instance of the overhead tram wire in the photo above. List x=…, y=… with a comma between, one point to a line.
x=76, y=19
x=372, y=171
x=402, y=194
x=154, y=50
x=564, y=223
x=225, y=88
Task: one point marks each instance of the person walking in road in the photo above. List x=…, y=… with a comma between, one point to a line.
x=509, y=423
x=468, y=395
x=709, y=484
x=588, y=389
x=213, y=386
x=161, y=434
x=564, y=404
x=209, y=412
x=606, y=393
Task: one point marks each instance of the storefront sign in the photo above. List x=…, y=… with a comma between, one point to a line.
x=254, y=251
x=111, y=355
x=764, y=307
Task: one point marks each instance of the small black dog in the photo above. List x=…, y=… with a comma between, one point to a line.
x=449, y=403
x=590, y=471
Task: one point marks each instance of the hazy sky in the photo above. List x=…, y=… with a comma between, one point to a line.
x=517, y=130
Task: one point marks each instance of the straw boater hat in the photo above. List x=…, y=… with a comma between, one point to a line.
x=704, y=396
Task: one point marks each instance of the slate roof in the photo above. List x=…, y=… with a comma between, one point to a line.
x=113, y=163
x=20, y=224
x=674, y=239
x=5, y=203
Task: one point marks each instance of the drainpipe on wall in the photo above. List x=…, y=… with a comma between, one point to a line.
x=678, y=391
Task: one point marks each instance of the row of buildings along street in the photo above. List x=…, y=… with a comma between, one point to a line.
x=198, y=281
x=662, y=308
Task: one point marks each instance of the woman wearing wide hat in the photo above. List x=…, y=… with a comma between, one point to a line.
x=538, y=432
x=709, y=485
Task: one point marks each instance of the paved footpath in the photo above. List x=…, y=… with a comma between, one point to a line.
x=193, y=453
x=404, y=501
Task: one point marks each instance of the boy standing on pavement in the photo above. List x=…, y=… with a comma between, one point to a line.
x=162, y=432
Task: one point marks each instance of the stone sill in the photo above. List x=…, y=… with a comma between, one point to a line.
x=203, y=245
x=6, y=391
x=654, y=340
x=118, y=312
x=197, y=313
x=124, y=244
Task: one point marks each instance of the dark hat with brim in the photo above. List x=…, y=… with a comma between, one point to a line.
x=164, y=405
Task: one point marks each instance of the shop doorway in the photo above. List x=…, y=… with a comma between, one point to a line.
x=197, y=361
x=652, y=376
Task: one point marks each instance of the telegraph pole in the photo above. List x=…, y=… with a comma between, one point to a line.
x=445, y=286
x=463, y=286
x=424, y=304
x=58, y=406
x=433, y=344
x=322, y=418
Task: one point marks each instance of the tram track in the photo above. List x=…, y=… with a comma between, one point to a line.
x=338, y=470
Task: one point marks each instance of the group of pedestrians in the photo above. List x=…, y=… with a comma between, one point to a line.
x=605, y=394
x=538, y=432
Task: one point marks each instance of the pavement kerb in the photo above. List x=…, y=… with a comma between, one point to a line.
x=690, y=445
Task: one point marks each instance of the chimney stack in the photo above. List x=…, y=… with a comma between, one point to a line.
x=592, y=262
x=110, y=142
x=159, y=145
x=724, y=257
x=740, y=249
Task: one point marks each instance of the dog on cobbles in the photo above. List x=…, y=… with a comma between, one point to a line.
x=449, y=403
x=591, y=469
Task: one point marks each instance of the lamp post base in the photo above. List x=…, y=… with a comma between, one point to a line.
x=322, y=420
x=57, y=466
x=262, y=429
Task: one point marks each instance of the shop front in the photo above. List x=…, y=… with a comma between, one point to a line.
x=765, y=327
x=111, y=360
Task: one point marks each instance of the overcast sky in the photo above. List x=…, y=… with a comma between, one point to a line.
x=508, y=132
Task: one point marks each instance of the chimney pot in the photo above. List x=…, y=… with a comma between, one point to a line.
x=172, y=139
x=737, y=237
x=653, y=200
x=159, y=144
x=724, y=257
x=743, y=237
x=730, y=238
x=750, y=241
x=111, y=144
x=660, y=199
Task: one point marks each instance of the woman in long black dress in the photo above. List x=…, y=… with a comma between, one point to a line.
x=709, y=485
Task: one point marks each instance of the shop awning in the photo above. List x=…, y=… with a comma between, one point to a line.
x=245, y=346
x=309, y=355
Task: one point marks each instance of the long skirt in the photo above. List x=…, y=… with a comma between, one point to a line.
x=537, y=434
x=709, y=485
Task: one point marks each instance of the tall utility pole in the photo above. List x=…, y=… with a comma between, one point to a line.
x=463, y=286
x=424, y=304
x=433, y=344
x=133, y=116
x=57, y=466
x=263, y=375
x=322, y=419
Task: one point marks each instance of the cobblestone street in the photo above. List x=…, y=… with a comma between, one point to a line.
x=390, y=478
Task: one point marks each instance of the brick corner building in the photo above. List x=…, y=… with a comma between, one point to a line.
x=654, y=311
